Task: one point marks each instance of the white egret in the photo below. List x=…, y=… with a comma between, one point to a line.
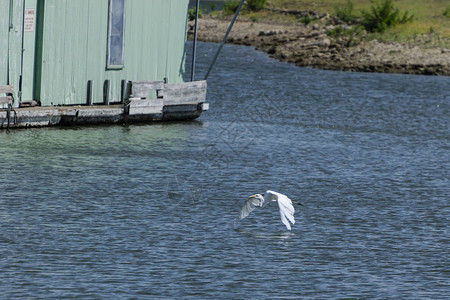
x=284, y=203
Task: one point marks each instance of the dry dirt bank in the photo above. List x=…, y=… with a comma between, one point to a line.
x=310, y=46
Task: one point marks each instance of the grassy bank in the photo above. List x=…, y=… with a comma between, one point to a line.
x=430, y=26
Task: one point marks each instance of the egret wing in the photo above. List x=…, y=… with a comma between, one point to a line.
x=287, y=210
x=250, y=204
x=269, y=196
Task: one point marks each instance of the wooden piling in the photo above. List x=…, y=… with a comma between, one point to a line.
x=123, y=90
x=106, y=91
x=89, y=100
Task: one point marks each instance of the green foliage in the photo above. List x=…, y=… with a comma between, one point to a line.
x=350, y=36
x=336, y=31
x=192, y=12
x=230, y=7
x=446, y=12
x=306, y=19
x=383, y=15
x=256, y=4
x=346, y=13
x=341, y=31
x=212, y=6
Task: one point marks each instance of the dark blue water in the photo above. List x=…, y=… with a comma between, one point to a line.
x=145, y=212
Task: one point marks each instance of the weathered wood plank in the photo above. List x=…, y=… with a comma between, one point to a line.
x=142, y=107
x=185, y=93
x=7, y=89
x=100, y=112
x=181, y=102
x=141, y=89
x=143, y=103
x=201, y=84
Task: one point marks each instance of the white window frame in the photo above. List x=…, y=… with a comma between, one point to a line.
x=112, y=62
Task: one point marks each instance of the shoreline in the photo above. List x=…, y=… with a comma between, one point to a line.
x=310, y=46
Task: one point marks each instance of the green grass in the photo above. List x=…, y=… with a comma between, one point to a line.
x=430, y=18
x=430, y=27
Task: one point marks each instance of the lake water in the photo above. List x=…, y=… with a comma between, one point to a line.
x=146, y=212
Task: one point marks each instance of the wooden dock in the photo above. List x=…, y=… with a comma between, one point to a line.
x=182, y=101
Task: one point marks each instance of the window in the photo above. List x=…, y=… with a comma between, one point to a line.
x=116, y=33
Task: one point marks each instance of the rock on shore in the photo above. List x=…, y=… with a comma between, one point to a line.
x=310, y=46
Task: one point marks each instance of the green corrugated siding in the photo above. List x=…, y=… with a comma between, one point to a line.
x=11, y=43
x=15, y=47
x=74, y=40
x=4, y=29
x=28, y=53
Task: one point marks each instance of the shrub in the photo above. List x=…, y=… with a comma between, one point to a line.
x=256, y=4
x=336, y=31
x=231, y=6
x=446, y=12
x=192, y=12
x=212, y=6
x=345, y=13
x=306, y=19
x=383, y=15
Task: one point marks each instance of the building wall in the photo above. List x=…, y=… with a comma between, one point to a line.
x=73, y=37
x=4, y=30
x=11, y=39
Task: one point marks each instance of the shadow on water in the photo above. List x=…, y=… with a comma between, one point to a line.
x=264, y=235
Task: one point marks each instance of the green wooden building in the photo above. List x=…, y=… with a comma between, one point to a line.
x=81, y=52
